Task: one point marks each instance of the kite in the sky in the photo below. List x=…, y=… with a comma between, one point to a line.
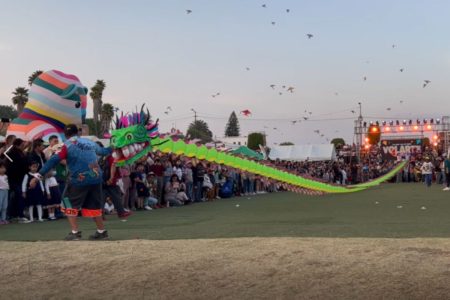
x=246, y=112
x=188, y=11
x=309, y=35
x=426, y=82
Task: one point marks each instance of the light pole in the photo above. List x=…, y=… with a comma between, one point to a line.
x=359, y=132
x=195, y=114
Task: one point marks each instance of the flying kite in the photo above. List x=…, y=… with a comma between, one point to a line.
x=246, y=112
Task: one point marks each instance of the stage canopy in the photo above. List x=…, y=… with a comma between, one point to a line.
x=247, y=152
x=303, y=152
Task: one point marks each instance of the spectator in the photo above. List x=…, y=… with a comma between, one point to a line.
x=37, y=153
x=16, y=169
x=171, y=192
x=427, y=171
x=4, y=189
x=33, y=195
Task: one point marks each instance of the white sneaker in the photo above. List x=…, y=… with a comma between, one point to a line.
x=446, y=189
x=41, y=220
x=148, y=208
x=24, y=221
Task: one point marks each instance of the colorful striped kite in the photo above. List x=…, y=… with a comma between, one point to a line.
x=55, y=100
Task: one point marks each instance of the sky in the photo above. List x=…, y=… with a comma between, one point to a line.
x=157, y=53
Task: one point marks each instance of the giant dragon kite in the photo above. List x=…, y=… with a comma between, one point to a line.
x=135, y=136
x=57, y=99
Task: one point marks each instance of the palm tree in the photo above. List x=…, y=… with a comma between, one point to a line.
x=106, y=117
x=20, y=98
x=33, y=76
x=96, y=95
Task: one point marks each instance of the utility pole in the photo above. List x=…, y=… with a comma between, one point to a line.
x=195, y=115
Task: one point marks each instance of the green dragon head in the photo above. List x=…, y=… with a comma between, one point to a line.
x=131, y=140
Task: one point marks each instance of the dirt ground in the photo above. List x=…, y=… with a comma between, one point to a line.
x=240, y=268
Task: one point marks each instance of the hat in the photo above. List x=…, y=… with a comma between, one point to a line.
x=151, y=173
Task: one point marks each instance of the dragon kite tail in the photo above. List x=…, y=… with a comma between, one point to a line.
x=306, y=185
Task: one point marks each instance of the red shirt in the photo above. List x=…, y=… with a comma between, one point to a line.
x=157, y=169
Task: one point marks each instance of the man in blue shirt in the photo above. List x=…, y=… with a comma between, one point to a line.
x=84, y=191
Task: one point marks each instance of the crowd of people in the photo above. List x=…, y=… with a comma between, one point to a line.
x=161, y=180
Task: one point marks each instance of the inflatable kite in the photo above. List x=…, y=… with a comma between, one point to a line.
x=55, y=100
x=134, y=137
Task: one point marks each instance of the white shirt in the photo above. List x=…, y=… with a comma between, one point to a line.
x=427, y=168
x=25, y=182
x=50, y=182
x=4, y=185
x=109, y=207
x=178, y=172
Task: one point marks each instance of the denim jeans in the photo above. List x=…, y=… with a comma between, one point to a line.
x=189, y=190
x=150, y=201
x=3, y=204
x=199, y=191
x=428, y=178
x=246, y=186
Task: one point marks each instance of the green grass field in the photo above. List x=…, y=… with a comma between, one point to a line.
x=277, y=215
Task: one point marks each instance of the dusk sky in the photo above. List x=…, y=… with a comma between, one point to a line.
x=154, y=52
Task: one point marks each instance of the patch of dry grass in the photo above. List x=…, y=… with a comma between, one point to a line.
x=240, y=268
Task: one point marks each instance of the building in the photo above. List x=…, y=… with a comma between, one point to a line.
x=230, y=142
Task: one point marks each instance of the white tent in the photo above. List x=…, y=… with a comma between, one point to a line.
x=303, y=152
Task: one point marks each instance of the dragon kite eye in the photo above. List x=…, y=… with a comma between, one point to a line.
x=129, y=136
x=113, y=140
x=78, y=104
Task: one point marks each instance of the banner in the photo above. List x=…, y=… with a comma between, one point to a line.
x=395, y=149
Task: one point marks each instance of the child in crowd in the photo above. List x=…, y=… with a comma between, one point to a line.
x=109, y=207
x=4, y=189
x=53, y=194
x=181, y=195
x=34, y=197
x=141, y=186
x=152, y=185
